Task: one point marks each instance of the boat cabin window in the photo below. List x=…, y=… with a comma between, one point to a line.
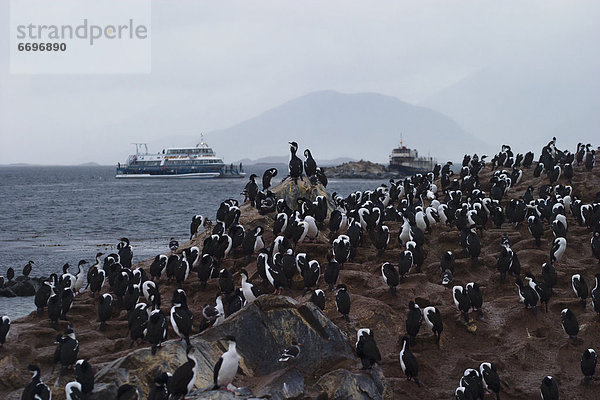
x=190, y=151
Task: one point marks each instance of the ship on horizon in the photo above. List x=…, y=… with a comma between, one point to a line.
x=199, y=162
x=407, y=161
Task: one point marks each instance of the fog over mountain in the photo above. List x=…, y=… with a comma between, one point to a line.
x=440, y=72
x=331, y=124
x=526, y=105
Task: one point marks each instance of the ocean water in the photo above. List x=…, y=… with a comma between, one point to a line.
x=55, y=215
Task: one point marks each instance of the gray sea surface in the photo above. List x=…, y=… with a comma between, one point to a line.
x=54, y=215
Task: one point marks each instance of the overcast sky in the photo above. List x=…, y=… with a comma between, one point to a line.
x=215, y=64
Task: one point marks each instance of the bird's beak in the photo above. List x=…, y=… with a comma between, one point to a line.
x=299, y=344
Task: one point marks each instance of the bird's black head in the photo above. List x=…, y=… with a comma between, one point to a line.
x=230, y=338
x=161, y=378
x=81, y=262
x=341, y=286
x=244, y=272
x=32, y=368
x=224, y=273
x=547, y=381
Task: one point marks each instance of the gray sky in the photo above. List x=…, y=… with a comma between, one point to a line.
x=215, y=64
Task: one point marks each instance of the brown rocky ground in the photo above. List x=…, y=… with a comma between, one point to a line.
x=524, y=347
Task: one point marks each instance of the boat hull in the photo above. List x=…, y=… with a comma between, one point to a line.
x=409, y=170
x=196, y=175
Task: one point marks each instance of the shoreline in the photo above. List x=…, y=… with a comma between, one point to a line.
x=501, y=335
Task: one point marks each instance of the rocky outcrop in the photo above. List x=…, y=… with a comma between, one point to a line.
x=360, y=170
x=262, y=330
x=21, y=286
x=367, y=385
x=291, y=191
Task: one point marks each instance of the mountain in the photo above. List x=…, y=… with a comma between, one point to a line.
x=285, y=159
x=332, y=124
x=526, y=104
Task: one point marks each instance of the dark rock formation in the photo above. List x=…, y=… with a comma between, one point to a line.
x=262, y=331
x=360, y=170
x=21, y=286
x=343, y=384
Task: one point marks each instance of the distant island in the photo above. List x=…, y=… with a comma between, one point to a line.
x=360, y=170
x=285, y=159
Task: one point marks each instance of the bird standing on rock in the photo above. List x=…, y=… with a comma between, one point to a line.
x=310, y=165
x=27, y=269
x=43, y=294
x=558, y=249
x=570, y=324
x=588, y=364
x=595, y=243
x=105, y=306
x=461, y=301
x=4, y=328
x=267, y=176
x=318, y=298
x=183, y=379
x=408, y=362
x=250, y=291
x=489, y=378
x=295, y=164
x=227, y=365
x=527, y=295
x=156, y=329
x=84, y=374
x=342, y=301
x=433, y=319
x=596, y=295
x=475, y=296
x=366, y=348
x=549, y=389
x=251, y=190
x=390, y=276
x=66, y=350
x=198, y=222
x=36, y=389
x=580, y=288
x=332, y=270
x=125, y=252
x=181, y=317
x=413, y=321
